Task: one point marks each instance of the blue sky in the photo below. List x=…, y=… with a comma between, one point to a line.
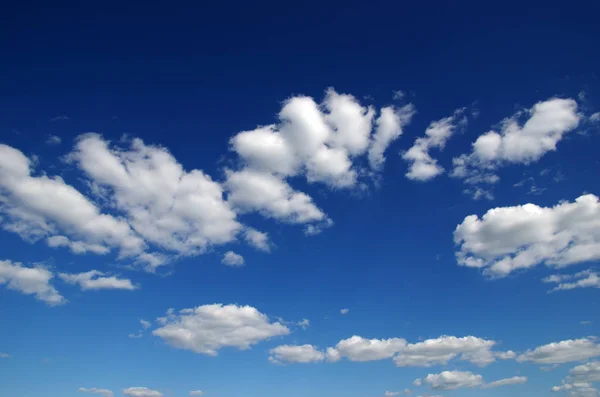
x=341, y=199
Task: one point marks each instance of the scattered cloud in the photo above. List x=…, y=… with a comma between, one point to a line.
x=516, y=142
x=595, y=117
x=206, y=329
x=423, y=167
x=344, y=311
x=96, y=280
x=141, y=392
x=389, y=128
x=53, y=140
x=295, y=354
x=563, y=352
x=515, y=380
x=94, y=390
x=506, y=239
x=30, y=281
x=585, y=322
x=357, y=348
x=584, y=279
x=452, y=380
x=305, y=323
x=59, y=118
x=406, y=392
x=232, y=259
x=258, y=240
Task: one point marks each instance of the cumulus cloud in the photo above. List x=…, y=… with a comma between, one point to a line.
x=357, y=348
x=259, y=240
x=389, y=128
x=515, y=380
x=206, y=329
x=295, y=354
x=304, y=323
x=94, y=390
x=38, y=207
x=344, y=311
x=141, y=392
x=423, y=167
x=584, y=279
x=577, y=389
x=232, y=259
x=30, y=281
x=452, y=380
x=563, y=352
x=96, y=280
x=506, y=239
x=547, y=123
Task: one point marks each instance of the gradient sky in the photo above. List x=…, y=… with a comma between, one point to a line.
x=353, y=199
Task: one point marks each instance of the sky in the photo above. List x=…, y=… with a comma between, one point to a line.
x=329, y=199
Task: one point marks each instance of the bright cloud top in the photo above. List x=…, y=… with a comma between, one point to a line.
x=423, y=167
x=141, y=392
x=206, y=329
x=295, y=354
x=30, y=281
x=506, y=239
x=563, y=352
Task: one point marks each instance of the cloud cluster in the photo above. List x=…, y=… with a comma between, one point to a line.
x=206, y=329
x=30, y=281
x=423, y=167
x=506, y=239
x=517, y=143
x=563, y=352
x=583, y=279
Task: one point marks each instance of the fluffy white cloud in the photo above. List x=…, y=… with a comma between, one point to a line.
x=445, y=348
x=589, y=372
x=141, y=392
x=357, y=348
x=389, y=128
x=95, y=280
x=177, y=210
x=94, y=390
x=423, y=167
x=232, y=259
x=578, y=382
x=506, y=239
x=30, y=281
x=206, y=329
x=196, y=393
x=547, y=123
x=296, y=354
x=515, y=380
x=344, y=311
x=451, y=380
x=259, y=240
x=304, y=323
x=563, y=352
x=40, y=206
x=577, y=389
x=584, y=279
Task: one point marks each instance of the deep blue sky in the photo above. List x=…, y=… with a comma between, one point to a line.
x=188, y=78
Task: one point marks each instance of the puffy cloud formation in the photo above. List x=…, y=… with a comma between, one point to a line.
x=579, y=381
x=563, y=352
x=30, y=281
x=506, y=239
x=259, y=240
x=517, y=143
x=452, y=380
x=295, y=354
x=232, y=259
x=94, y=390
x=589, y=372
x=577, y=389
x=95, y=280
x=423, y=167
x=141, y=392
x=357, y=348
x=584, y=279
x=515, y=380
x=206, y=329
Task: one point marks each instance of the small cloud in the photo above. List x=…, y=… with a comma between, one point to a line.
x=399, y=94
x=549, y=368
x=59, y=118
x=305, y=323
x=232, y=259
x=53, y=140
x=5, y=355
x=585, y=322
x=196, y=393
x=595, y=118
x=344, y=311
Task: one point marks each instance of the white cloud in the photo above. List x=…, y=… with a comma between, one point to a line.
x=196, y=393
x=563, y=352
x=344, y=311
x=305, y=323
x=418, y=382
x=30, y=281
x=5, y=355
x=40, y=206
x=259, y=240
x=357, y=348
x=96, y=280
x=53, y=140
x=423, y=167
x=515, y=380
x=77, y=247
x=518, y=143
x=206, y=329
x=595, y=117
x=177, y=210
x=94, y=390
x=452, y=380
x=232, y=259
x=577, y=389
x=584, y=279
x=589, y=372
x=296, y=354
x=141, y=392
x=441, y=350
x=390, y=123
x=506, y=239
